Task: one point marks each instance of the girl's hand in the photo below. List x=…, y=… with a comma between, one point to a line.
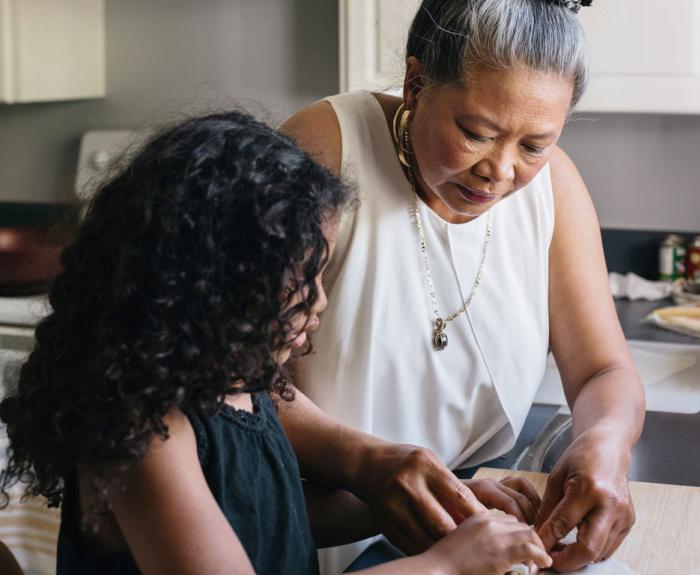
x=488, y=545
x=588, y=489
x=515, y=496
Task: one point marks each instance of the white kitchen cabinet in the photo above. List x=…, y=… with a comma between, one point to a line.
x=51, y=50
x=644, y=54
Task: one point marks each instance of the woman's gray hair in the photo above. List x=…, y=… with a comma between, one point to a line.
x=452, y=37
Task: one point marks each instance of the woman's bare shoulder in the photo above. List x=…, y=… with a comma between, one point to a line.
x=316, y=130
x=563, y=171
x=388, y=103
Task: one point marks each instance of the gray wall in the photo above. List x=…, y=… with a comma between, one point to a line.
x=165, y=57
x=169, y=56
x=643, y=171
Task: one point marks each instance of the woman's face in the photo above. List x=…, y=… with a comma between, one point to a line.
x=303, y=323
x=476, y=143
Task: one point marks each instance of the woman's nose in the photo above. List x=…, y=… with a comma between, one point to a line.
x=496, y=167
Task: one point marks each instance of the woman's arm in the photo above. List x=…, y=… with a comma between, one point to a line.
x=588, y=487
x=414, y=499
x=168, y=516
x=316, y=130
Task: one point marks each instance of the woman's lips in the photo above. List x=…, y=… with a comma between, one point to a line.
x=476, y=196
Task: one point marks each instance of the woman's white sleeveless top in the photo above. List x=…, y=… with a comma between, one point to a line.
x=374, y=366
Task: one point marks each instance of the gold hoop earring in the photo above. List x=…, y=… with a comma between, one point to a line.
x=399, y=127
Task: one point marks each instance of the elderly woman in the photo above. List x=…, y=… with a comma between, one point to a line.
x=474, y=250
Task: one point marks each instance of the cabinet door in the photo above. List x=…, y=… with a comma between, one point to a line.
x=372, y=43
x=644, y=56
x=51, y=50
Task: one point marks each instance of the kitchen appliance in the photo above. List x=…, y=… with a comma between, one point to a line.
x=29, y=253
x=32, y=236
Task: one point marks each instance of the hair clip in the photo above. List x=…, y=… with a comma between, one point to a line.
x=573, y=5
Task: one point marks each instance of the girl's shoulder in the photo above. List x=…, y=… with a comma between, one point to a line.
x=178, y=452
x=165, y=501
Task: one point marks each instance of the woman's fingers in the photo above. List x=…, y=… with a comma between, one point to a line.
x=523, y=486
x=524, y=504
x=591, y=542
x=422, y=496
x=552, y=496
x=566, y=515
x=498, y=495
x=454, y=495
x=428, y=512
x=615, y=539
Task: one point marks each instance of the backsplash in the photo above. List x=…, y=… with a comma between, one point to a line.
x=636, y=251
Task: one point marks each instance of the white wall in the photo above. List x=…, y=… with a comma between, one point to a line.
x=162, y=57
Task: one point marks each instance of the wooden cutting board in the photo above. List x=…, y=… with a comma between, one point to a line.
x=665, y=540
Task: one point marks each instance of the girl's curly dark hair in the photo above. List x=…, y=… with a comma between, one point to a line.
x=172, y=294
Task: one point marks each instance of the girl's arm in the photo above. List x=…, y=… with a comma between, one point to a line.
x=168, y=516
x=337, y=517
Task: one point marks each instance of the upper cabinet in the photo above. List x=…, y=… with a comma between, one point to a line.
x=644, y=54
x=51, y=50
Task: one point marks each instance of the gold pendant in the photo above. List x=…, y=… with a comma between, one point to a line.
x=439, y=336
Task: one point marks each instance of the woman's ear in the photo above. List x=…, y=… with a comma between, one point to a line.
x=414, y=82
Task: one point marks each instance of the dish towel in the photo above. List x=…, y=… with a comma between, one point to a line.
x=635, y=287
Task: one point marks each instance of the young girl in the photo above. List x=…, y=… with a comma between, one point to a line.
x=145, y=409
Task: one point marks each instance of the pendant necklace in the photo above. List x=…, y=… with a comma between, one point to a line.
x=401, y=139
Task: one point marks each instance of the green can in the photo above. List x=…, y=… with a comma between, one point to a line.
x=672, y=254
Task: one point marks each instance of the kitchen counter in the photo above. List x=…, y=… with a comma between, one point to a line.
x=664, y=538
x=632, y=314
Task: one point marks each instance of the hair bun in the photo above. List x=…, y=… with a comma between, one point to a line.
x=573, y=5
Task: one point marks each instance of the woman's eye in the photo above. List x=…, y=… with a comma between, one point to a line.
x=475, y=137
x=534, y=150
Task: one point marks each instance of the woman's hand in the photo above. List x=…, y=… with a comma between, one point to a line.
x=515, y=496
x=588, y=489
x=488, y=545
x=413, y=496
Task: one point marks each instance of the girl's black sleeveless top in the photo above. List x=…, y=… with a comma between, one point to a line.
x=253, y=474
